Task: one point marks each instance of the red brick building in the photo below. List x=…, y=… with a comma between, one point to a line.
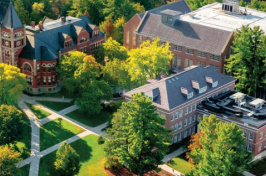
x=36, y=49
x=179, y=99
x=202, y=37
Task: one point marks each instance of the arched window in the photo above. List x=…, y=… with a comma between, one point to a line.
x=83, y=39
x=27, y=67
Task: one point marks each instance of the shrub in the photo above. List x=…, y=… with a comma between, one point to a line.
x=100, y=140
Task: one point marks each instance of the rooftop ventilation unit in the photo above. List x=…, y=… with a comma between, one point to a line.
x=231, y=6
x=257, y=103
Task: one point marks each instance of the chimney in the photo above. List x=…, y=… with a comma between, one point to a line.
x=63, y=19
x=33, y=24
x=40, y=26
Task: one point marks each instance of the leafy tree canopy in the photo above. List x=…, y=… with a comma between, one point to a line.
x=67, y=160
x=8, y=161
x=221, y=149
x=12, y=83
x=248, y=63
x=148, y=61
x=137, y=137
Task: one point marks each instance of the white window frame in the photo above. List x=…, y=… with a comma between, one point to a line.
x=180, y=125
x=190, y=120
x=176, y=127
x=185, y=133
x=179, y=137
x=250, y=136
x=172, y=117
x=261, y=134
x=186, y=111
x=176, y=115
x=185, y=122
x=181, y=113
x=260, y=146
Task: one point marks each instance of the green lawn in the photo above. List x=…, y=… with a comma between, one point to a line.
x=23, y=171
x=24, y=143
x=91, y=157
x=39, y=113
x=259, y=167
x=90, y=120
x=57, y=106
x=180, y=164
x=51, y=133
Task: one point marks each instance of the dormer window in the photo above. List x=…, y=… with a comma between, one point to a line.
x=210, y=80
x=170, y=16
x=167, y=19
x=214, y=84
x=190, y=95
x=195, y=84
x=203, y=89
x=68, y=44
x=96, y=33
x=185, y=92
x=83, y=39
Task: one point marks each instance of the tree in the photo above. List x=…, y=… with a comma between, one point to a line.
x=8, y=161
x=195, y=4
x=67, y=160
x=223, y=149
x=194, y=138
x=137, y=138
x=115, y=74
x=247, y=64
x=12, y=83
x=149, y=4
x=37, y=11
x=148, y=61
x=11, y=126
x=22, y=12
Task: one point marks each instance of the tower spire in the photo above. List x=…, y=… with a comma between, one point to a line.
x=11, y=19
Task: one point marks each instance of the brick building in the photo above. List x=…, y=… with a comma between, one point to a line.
x=202, y=37
x=179, y=99
x=36, y=49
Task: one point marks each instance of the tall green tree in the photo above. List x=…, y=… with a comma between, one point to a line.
x=148, y=61
x=137, y=138
x=149, y=4
x=195, y=4
x=12, y=83
x=22, y=12
x=221, y=150
x=67, y=161
x=11, y=125
x=8, y=161
x=37, y=13
x=247, y=64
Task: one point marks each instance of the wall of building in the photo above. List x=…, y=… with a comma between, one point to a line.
x=129, y=32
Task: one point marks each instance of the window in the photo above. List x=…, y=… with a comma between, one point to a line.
x=180, y=125
x=172, y=117
x=43, y=69
x=190, y=109
x=190, y=95
x=189, y=131
x=201, y=54
x=175, y=139
x=179, y=137
x=203, y=89
x=189, y=51
x=185, y=122
x=140, y=38
x=186, y=112
x=38, y=67
x=214, y=57
x=127, y=36
x=194, y=107
x=27, y=67
x=194, y=118
x=251, y=136
x=186, y=63
x=176, y=115
x=177, y=48
x=193, y=129
x=190, y=62
x=172, y=128
x=44, y=79
x=49, y=80
x=83, y=39
x=49, y=68
x=54, y=79
x=167, y=19
x=96, y=33
x=178, y=61
x=260, y=145
x=180, y=113
x=190, y=120
x=261, y=135
x=7, y=53
x=68, y=44
x=176, y=126
x=185, y=134
x=174, y=61
x=29, y=80
x=38, y=81
x=249, y=148
x=84, y=49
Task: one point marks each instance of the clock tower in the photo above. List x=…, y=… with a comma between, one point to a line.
x=13, y=37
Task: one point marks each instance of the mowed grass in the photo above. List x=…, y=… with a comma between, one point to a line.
x=259, y=167
x=91, y=158
x=24, y=143
x=51, y=133
x=39, y=113
x=23, y=171
x=57, y=106
x=180, y=164
x=90, y=120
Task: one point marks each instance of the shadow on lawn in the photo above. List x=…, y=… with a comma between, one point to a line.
x=83, y=149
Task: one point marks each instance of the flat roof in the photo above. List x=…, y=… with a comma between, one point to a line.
x=212, y=15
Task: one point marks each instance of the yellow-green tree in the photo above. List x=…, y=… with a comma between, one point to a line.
x=37, y=11
x=12, y=83
x=148, y=61
x=8, y=161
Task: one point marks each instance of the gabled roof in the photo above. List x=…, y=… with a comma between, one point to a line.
x=191, y=35
x=168, y=93
x=11, y=19
x=46, y=54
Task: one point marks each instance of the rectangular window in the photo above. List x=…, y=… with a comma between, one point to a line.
x=44, y=79
x=194, y=118
x=178, y=61
x=185, y=122
x=185, y=134
x=43, y=69
x=193, y=129
x=176, y=127
x=127, y=36
x=175, y=47
x=249, y=148
x=180, y=125
x=174, y=61
x=190, y=62
x=180, y=113
x=172, y=117
x=49, y=80
x=54, y=79
x=186, y=112
x=190, y=120
x=189, y=131
x=190, y=109
x=186, y=63
x=176, y=115
x=38, y=67
x=251, y=136
x=172, y=127
x=261, y=135
x=214, y=57
x=260, y=145
x=175, y=139
x=179, y=137
x=201, y=54
x=194, y=107
x=189, y=51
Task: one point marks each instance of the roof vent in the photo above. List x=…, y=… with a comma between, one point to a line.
x=230, y=6
x=169, y=81
x=257, y=103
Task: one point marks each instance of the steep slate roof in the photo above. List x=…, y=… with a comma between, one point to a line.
x=191, y=35
x=52, y=37
x=11, y=19
x=169, y=89
x=180, y=6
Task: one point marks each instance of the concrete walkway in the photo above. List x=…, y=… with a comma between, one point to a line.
x=34, y=159
x=170, y=170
